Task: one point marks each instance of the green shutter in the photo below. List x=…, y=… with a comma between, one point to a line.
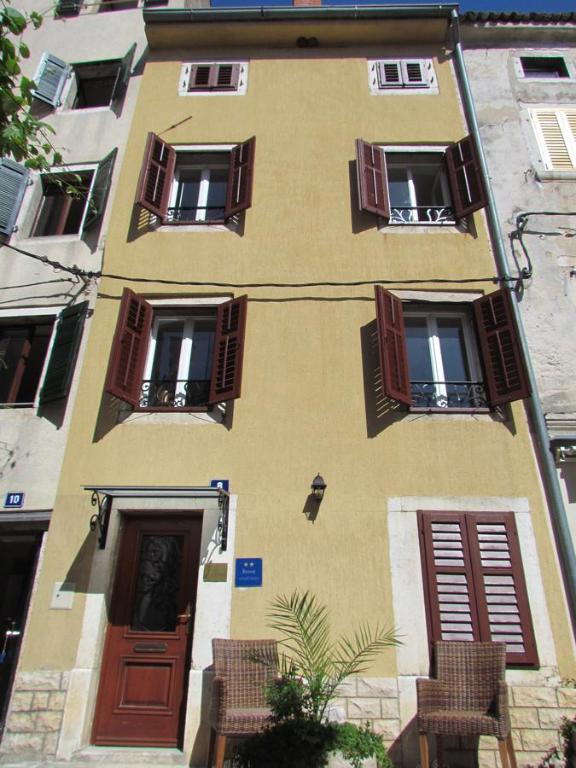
x=64, y=351
x=68, y=7
x=100, y=189
x=13, y=180
x=50, y=79
x=123, y=75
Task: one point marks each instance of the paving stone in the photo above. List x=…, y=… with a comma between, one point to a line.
x=40, y=700
x=18, y=743
x=57, y=700
x=21, y=702
x=20, y=722
x=48, y=721
x=50, y=743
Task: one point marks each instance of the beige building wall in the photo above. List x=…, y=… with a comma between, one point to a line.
x=310, y=400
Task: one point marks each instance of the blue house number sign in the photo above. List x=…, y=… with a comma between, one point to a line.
x=248, y=572
x=14, y=500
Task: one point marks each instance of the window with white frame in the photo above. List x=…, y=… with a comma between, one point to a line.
x=555, y=131
x=401, y=75
x=214, y=78
x=542, y=67
x=196, y=184
x=442, y=358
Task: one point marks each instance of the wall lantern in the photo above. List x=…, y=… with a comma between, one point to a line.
x=318, y=487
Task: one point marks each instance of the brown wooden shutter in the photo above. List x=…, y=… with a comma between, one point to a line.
x=506, y=377
x=465, y=177
x=474, y=584
x=501, y=592
x=200, y=77
x=153, y=192
x=228, y=356
x=392, y=346
x=129, y=348
x=241, y=171
x=451, y=605
x=372, y=179
x=227, y=77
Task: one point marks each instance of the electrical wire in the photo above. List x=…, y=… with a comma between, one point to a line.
x=518, y=234
x=95, y=275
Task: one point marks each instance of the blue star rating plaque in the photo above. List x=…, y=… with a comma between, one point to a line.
x=248, y=572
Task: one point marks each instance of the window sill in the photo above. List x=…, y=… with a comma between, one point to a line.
x=414, y=409
x=556, y=175
x=200, y=226
x=196, y=409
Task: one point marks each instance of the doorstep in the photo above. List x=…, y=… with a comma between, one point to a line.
x=126, y=757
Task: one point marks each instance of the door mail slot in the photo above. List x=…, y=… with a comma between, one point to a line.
x=150, y=648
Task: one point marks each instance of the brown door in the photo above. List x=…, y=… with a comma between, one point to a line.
x=146, y=656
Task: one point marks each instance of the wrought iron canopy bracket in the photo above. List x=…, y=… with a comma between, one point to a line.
x=223, y=503
x=100, y=519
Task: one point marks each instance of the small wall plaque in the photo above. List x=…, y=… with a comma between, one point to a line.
x=216, y=572
x=248, y=572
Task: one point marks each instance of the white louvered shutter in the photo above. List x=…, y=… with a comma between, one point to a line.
x=555, y=131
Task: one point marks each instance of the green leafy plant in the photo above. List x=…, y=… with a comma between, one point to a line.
x=360, y=742
x=568, y=735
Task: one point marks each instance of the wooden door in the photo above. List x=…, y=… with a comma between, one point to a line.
x=141, y=700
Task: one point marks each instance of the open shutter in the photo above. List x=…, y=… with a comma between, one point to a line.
x=389, y=74
x=450, y=595
x=129, y=348
x=123, y=75
x=50, y=79
x=99, y=190
x=392, y=346
x=372, y=179
x=153, y=192
x=68, y=7
x=60, y=369
x=506, y=377
x=13, y=180
x=465, y=177
x=501, y=593
x=228, y=356
x=240, y=175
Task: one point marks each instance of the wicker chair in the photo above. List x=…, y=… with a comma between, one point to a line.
x=469, y=697
x=242, y=670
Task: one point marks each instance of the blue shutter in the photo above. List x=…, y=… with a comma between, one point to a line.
x=50, y=79
x=60, y=369
x=13, y=180
x=123, y=75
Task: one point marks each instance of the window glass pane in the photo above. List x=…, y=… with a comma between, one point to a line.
x=187, y=193
x=398, y=188
x=202, y=346
x=167, y=353
x=427, y=181
x=216, y=202
x=419, y=362
x=156, y=600
x=453, y=350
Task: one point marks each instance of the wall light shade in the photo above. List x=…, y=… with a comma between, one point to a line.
x=318, y=487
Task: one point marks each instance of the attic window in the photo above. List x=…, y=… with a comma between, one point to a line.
x=544, y=67
x=388, y=75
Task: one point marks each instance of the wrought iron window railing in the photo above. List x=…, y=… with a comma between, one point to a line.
x=448, y=394
x=422, y=214
x=195, y=213
x=174, y=394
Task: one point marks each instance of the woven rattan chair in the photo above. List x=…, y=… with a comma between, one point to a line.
x=469, y=697
x=242, y=670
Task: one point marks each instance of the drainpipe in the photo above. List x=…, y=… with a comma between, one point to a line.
x=544, y=454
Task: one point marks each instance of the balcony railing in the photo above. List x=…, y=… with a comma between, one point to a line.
x=449, y=394
x=194, y=214
x=422, y=214
x=174, y=394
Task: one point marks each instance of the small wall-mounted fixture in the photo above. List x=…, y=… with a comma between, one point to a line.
x=318, y=487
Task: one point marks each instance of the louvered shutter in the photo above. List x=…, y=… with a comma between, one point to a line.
x=389, y=74
x=200, y=77
x=228, y=355
x=13, y=180
x=123, y=75
x=50, y=79
x=129, y=348
x=504, y=369
x=227, y=77
x=414, y=74
x=153, y=192
x=451, y=605
x=60, y=371
x=500, y=586
x=372, y=179
x=240, y=177
x=99, y=190
x=465, y=177
x=556, y=133
x=474, y=583
x=392, y=346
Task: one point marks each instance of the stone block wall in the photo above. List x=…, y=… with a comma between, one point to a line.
x=36, y=710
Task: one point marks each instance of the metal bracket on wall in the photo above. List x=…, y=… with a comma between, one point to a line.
x=100, y=519
x=223, y=500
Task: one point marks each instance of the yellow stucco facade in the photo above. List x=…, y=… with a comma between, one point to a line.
x=309, y=400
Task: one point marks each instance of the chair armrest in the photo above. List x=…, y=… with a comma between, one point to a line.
x=430, y=695
x=501, y=703
x=219, y=701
